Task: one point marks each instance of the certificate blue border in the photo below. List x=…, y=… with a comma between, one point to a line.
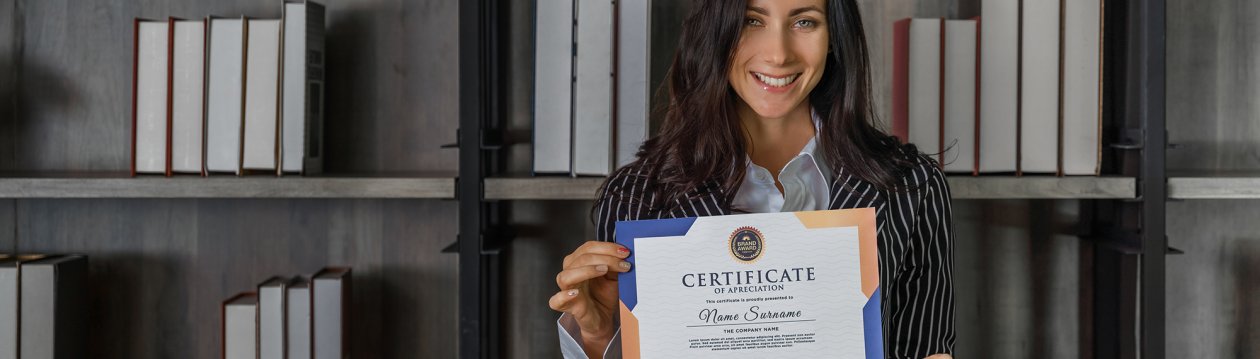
x=627, y=231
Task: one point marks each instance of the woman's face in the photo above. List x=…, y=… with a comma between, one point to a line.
x=781, y=54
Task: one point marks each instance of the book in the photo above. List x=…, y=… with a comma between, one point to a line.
x=10, y=267
x=959, y=129
x=553, y=86
x=8, y=308
x=262, y=95
x=999, y=86
x=1039, y=87
x=302, y=108
x=1082, y=82
x=925, y=81
x=593, y=89
x=225, y=94
x=901, y=80
x=271, y=318
x=330, y=301
x=298, y=319
x=188, y=95
x=53, y=311
x=151, y=114
x=240, y=318
x=634, y=54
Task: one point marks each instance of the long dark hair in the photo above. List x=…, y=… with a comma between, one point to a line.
x=701, y=140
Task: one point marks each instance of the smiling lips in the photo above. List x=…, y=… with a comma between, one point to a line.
x=776, y=84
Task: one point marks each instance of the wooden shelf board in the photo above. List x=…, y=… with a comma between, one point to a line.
x=1214, y=187
x=962, y=187
x=228, y=187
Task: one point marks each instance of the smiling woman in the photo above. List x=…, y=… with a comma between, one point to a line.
x=770, y=110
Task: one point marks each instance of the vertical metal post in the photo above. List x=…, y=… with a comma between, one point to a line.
x=1154, y=178
x=469, y=191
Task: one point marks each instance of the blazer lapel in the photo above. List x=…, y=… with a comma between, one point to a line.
x=850, y=191
x=705, y=200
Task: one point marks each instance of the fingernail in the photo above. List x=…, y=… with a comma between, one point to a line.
x=622, y=250
x=572, y=292
x=602, y=268
x=624, y=265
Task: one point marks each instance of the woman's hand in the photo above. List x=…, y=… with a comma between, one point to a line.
x=588, y=291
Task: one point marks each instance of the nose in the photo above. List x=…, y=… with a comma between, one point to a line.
x=777, y=49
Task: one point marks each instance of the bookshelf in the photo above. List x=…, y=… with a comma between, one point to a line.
x=229, y=187
x=164, y=252
x=1214, y=186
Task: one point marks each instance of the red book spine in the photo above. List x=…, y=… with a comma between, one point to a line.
x=901, y=81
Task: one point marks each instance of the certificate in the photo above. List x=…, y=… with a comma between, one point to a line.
x=803, y=284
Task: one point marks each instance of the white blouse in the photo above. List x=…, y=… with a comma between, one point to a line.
x=805, y=179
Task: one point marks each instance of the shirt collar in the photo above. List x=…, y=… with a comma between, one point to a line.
x=811, y=149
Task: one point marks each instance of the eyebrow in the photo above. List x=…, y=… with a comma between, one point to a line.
x=794, y=12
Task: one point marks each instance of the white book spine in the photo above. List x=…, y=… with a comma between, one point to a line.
x=224, y=98
x=152, y=65
x=553, y=86
x=37, y=312
x=271, y=322
x=8, y=311
x=302, y=91
x=633, y=71
x=960, y=95
x=299, y=322
x=925, y=85
x=293, y=108
x=1082, y=76
x=262, y=95
x=1039, y=95
x=328, y=318
x=999, y=50
x=188, y=102
x=593, y=96
x=240, y=332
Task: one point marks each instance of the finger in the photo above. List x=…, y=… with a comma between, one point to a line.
x=563, y=300
x=572, y=278
x=614, y=264
x=605, y=248
x=595, y=247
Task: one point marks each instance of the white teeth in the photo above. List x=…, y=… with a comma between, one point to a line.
x=776, y=82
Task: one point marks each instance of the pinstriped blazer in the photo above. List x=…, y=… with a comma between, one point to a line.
x=915, y=243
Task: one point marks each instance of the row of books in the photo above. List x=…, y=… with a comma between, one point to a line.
x=1016, y=90
x=591, y=68
x=42, y=307
x=290, y=318
x=230, y=95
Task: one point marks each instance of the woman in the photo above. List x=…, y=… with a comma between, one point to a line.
x=782, y=85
